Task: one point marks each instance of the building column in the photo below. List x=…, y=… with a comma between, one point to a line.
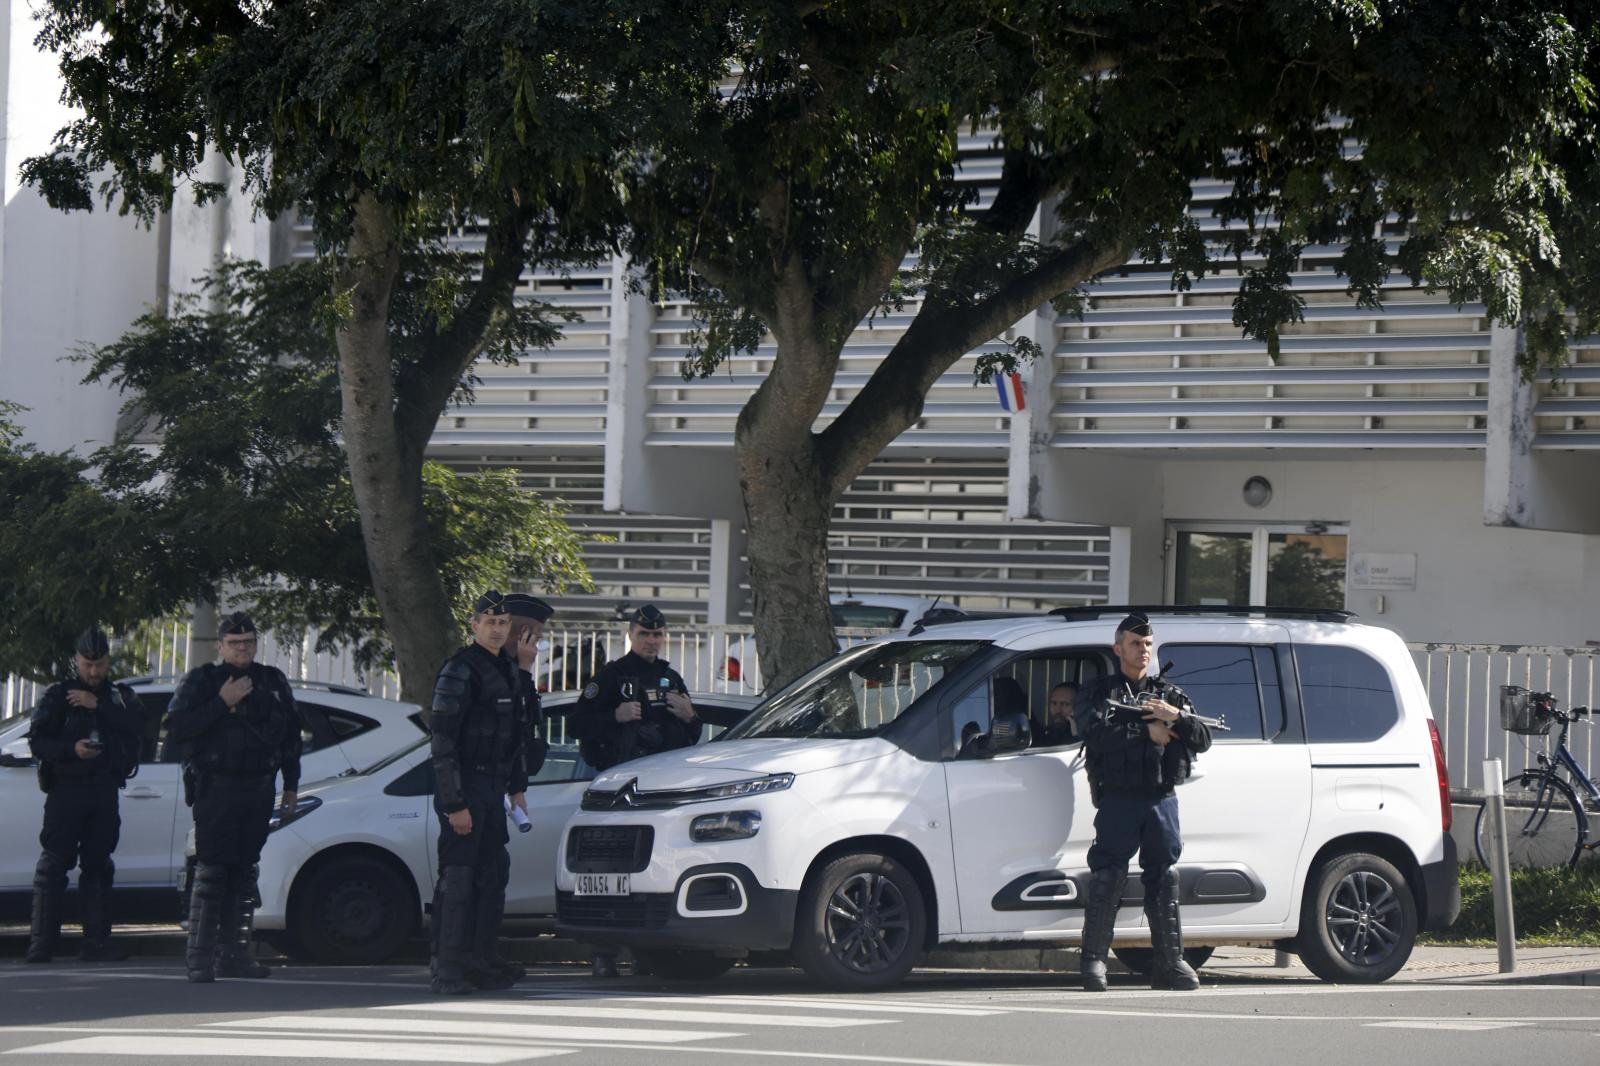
x=627, y=385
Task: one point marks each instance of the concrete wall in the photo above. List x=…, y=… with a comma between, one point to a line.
x=1475, y=583
x=65, y=280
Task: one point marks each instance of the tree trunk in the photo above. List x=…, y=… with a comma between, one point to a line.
x=386, y=466
x=787, y=508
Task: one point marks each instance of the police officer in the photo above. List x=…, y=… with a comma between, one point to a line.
x=237, y=726
x=635, y=706
x=480, y=728
x=1135, y=761
x=85, y=734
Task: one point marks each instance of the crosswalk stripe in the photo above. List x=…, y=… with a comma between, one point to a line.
x=435, y=1026
x=643, y=1013
x=1464, y=1026
x=821, y=1003
x=287, y=1048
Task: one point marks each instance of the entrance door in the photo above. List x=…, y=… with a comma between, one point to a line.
x=1259, y=565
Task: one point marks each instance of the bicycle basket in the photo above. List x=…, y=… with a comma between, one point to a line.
x=1521, y=713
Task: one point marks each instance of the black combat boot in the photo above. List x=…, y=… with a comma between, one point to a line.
x=487, y=970
x=1168, y=971
x=455, y=919
x=205, y=913
x=94, y=897
x=1099, y=922
x=49, y=885
x=235, y=957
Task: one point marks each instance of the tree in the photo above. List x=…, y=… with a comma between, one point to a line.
x=387, y=125
x=791, y=209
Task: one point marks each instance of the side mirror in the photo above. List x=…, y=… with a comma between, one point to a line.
x=1009, y=732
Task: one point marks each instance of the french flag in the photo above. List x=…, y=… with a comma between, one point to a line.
x=1009, y=386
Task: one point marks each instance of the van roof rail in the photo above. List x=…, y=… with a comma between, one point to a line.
x=1313, y=614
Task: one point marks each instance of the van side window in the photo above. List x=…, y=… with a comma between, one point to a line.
x=1346, y=692
x=1228, y=681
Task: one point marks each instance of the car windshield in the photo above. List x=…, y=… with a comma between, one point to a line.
x=864, y=616
x=858, y=693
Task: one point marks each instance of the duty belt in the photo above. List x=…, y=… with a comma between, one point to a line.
x=487, y=769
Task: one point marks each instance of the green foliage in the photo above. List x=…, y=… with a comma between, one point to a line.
x=1556, y=905
x=234, y=404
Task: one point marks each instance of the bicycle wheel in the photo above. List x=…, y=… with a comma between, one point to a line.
x=1545, y=823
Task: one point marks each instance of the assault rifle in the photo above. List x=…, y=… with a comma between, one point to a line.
x=1169, y=693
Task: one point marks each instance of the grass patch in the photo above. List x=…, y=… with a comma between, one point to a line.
x=1559, y=905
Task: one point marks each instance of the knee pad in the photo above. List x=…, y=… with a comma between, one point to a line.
x=51, y=870
x=210, y=880
x=456, y=881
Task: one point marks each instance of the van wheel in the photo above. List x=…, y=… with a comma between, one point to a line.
x=352, y=911
x=1358, y=922
x=680, y=965
x=1143, y=960
x=861, y=923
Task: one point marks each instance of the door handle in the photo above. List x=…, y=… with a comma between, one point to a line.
x=143, y=794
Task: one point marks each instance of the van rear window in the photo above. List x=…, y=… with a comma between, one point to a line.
x=1346, y=693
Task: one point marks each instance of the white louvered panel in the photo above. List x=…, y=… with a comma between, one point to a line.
x=1567, y=414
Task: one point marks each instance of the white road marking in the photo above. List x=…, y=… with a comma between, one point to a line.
x=576, y=1012
x=1465, y=1026
x=887, y=1005
x=285, y=1048
x=436, y=1026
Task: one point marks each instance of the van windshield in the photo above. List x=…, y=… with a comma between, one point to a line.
x=858, y=693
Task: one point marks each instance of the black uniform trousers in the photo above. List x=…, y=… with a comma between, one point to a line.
x=81, y=823
x=231, y=812
x=1129, y=821
x=474, y=870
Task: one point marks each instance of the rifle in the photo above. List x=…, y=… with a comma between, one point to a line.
x=1139, y=707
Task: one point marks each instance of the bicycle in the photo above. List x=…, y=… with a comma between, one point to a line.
x=1546, y=823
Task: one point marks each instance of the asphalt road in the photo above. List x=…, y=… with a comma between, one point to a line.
x=135, y=1013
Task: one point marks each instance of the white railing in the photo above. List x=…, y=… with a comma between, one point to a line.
x=1463, y=683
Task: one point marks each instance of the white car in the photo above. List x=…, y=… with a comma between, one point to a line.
x=851, y=821
x=348, y=879
x=343, y=730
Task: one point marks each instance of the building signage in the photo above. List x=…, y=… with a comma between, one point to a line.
x=1370, y=570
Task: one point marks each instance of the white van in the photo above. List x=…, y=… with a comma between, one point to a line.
x=850, y=820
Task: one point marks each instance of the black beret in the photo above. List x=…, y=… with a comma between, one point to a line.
x=92, y=644
x=524, y=606
x=490, y=603
x=649, y=617
x=1134, y=623
x=237, y=622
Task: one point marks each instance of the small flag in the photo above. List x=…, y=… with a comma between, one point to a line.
x=1009, y=386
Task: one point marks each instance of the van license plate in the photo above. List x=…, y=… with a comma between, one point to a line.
x=601, y=885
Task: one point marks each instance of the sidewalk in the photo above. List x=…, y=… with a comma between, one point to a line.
x=1430, y=963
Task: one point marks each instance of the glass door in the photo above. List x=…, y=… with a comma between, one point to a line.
x=1262, y=565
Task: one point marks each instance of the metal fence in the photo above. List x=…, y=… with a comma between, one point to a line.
x=1463, y=683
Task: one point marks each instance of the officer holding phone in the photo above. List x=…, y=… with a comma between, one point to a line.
x=85, y=733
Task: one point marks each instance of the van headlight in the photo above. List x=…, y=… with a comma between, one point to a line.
x=303, y=806
x=728, y=825
x=755, y=786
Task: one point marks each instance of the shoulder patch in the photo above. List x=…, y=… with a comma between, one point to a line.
x=591, y=690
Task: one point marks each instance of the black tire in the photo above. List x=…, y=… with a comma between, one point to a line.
x=1545, y=823
x=1143, y=960
x=1358, y=922
x=861, y=923
x=353, y=911
x=673, y=965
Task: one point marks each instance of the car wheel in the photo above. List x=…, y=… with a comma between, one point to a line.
x=1143, y=960
x=680, y=965
x=1358, y=922
x=861, y=923
x=353, y=910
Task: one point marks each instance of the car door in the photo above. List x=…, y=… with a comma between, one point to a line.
x=1021, y=823
x=553, y=794
x=151, y=843
x=23, y=805
x=1246, y=810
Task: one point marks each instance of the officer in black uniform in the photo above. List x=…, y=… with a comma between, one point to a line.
x=1134, y=762
x=635, y=706
x=85, y=734
x=480, y=728
x=237, y=726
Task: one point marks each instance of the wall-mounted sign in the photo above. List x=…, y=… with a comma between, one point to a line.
x=1371, y=570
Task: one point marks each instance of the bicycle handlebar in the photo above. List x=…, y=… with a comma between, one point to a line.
x=1549, y=700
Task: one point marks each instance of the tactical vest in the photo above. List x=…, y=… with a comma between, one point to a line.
x=250, y=739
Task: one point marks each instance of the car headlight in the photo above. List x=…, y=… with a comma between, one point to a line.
x=755, y=786
x=728, y=825
x=303, y=806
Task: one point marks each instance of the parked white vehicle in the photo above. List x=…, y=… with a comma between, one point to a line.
x=847, y=822
x=346, y=881
x=343, y=731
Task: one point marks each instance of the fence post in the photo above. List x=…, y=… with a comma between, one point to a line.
x=1505, y=930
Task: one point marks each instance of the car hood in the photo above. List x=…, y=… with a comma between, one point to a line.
x=735, y=760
